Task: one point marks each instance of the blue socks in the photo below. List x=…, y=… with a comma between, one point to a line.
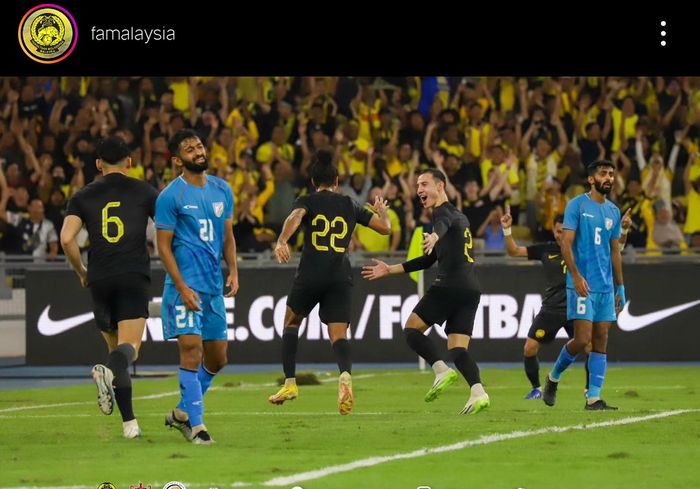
x=597, y=363
x=191, y=396
x=205, y=379
x=565, y=359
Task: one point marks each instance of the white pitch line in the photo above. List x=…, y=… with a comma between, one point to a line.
x=80, y=403
x=484, y=440
x=41, y=406
x=422, y=452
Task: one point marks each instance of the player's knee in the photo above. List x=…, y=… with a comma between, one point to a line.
x=530, y=349
x=599, y=342
x=577, y=345
x=215, y=365
x=411, y=335
x=600, y=335
x=292, y=319
x=191, y=354
x=414, y=323
x=582, y=338
x=333, y=337
x=137, y=346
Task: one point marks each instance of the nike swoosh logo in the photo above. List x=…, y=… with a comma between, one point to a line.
x=552, y=256
x=49, y=327
x=628, y=322
x=191, y=207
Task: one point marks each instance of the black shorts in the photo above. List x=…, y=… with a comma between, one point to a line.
x=457, y=306
x=547, y=324
x=120, y=298
x=335, y=300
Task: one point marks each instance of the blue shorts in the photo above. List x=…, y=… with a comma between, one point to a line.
x=209, y=323
x=597, y=307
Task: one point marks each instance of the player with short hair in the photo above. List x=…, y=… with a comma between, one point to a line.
x=595, y=289
x=324, y=275
x=194, y=221
x=115, y=210
x=552, y=315
x=452, y=298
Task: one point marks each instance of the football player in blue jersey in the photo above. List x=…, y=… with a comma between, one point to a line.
x=591, y=249
x=194, y=219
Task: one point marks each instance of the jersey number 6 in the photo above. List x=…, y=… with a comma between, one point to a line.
x=107, y=220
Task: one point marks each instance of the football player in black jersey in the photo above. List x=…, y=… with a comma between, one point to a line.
x=453, y=297
x=552, y=316
x=324, y=275
x=115, y=211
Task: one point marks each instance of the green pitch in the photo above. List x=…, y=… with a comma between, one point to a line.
x=306, y=444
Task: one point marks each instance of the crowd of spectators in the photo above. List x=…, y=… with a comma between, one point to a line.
x=521, y=141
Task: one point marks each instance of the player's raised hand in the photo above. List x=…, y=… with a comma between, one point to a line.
x=232, y=282
x=429, y=241
x=626, y=221
x=190, y=299
x=380, y=205
x=507, y=219
x=282, y=252
x=378, y=270
x=580, y=285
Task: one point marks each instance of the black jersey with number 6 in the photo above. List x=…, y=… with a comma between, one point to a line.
x=328, y=226
x=115, y=212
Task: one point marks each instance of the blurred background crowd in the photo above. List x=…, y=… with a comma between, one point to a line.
x=521, y=141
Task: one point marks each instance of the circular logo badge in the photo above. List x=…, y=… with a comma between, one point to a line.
x=48, y=33
x=106, y=485
x=174, y=485
x=539, y=333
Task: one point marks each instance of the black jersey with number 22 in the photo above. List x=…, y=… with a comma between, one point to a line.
x=328, y=225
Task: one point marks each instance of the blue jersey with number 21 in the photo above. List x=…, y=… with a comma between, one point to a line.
x=196, y=216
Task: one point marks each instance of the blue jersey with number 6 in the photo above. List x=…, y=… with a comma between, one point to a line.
x=196, y=216
x=595, y=225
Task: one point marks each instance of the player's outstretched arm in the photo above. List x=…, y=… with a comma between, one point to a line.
x=291, y=224
x=512, y=247
x=380, y=270
x=71, y=227
x=189, y=297
x=230, y=257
